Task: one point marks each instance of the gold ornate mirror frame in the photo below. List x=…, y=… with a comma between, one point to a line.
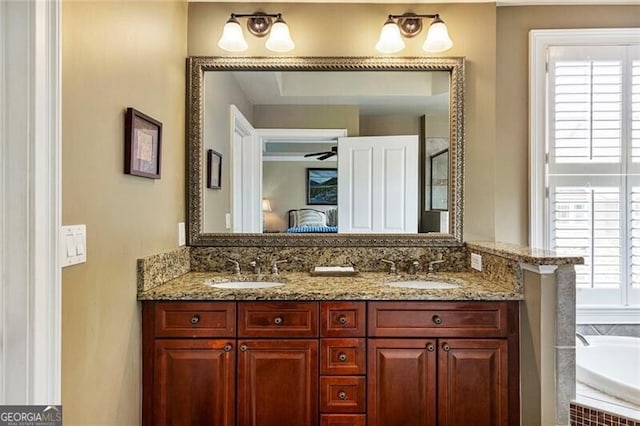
x=197, y=66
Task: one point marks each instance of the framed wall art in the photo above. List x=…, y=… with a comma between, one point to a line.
x=142, y=144
x=214, y=169
x=322, y=186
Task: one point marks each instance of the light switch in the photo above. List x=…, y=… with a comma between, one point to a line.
x=227, y=220
x=73, y=240
x=182, y=235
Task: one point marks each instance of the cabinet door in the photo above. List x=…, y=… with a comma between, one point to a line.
x=472, y=382
x=194, y=382
x=277, y=382
x=401, y=376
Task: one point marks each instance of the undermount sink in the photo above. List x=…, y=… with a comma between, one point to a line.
x=245, y=284
x=424, y=284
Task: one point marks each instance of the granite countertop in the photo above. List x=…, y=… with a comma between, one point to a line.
x=523, y=254
x=303, y=286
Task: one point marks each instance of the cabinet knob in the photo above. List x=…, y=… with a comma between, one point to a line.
x=228, y=347
x=195, y=319
x=445, y=347
x=430, y=347
x=342, y=395
x=278, y=320
x=437, y=320
x=244, y=348
x=342, y=357
x=342, y=319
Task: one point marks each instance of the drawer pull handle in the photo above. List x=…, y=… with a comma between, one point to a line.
x=430, y=347
x=228, y=347
x=342, y=395
x=437, y=320
x=278, y=320
x=195, y=319
x=342, y=357
x=445, y=347
x=342, y=319
x=244, y=348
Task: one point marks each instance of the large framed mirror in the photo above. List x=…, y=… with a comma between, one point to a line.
x=324, y=151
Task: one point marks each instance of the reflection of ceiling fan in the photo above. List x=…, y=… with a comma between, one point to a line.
x=325, y=154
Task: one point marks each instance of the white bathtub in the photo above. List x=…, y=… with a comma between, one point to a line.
x=610, y=364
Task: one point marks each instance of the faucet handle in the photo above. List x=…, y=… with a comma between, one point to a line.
x=413, y=267
x=274, y=266
x=236, y=266
x=433, y=263
x=392, y=269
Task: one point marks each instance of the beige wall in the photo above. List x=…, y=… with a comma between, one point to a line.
x=115, y=55
x=512, y=112
x=331, y=30
x=389, y=125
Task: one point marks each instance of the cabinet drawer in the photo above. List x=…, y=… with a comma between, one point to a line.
x=277, y=319
x=342, y=356
x=342, y=319
x=437, y=319
x=194, y=319
x=342, y=394
x=343, y=420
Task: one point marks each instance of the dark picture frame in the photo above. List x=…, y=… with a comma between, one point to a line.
x=439, y=185
x=322, y=186
x=142, y=144
x=214, y=169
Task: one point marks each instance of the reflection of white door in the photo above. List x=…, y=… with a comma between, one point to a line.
x=378, y=184
x=246, y=175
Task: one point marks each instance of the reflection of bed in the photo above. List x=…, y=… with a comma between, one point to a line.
x=305, y=221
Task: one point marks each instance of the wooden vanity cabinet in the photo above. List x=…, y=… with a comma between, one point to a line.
x=331, y=363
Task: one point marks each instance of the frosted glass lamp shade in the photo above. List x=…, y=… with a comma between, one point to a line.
x=390, y=39
x=232, y=38
x=437, y=38
x=279, y=38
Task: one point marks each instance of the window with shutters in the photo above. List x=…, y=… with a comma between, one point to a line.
x=592, y=165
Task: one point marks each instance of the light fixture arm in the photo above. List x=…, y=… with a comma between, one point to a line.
x=259, y=24
x=410, y=24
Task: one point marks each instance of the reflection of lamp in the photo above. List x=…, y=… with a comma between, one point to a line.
x=266, y=205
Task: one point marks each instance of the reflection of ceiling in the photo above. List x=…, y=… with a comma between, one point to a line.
x=377, y=93
x=294, y=150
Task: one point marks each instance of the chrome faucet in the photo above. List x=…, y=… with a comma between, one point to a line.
x=431, y=268
x=413, y=267
x=583, y=339
x=255, y=264
x=236, y=266
x=392, y=269
x=274, y=266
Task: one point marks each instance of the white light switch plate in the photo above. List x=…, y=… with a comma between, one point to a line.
x=476, y=262
x=73, y=245
x=182, y=235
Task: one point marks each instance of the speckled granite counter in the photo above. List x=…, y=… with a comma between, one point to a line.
x=302, y=286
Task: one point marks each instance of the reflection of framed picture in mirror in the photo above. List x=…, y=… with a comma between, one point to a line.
x=142, y=142
x=440, y=180
x=214, y=169
x=322, y=186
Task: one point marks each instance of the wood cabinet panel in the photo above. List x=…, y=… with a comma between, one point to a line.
x=401, y=382
x=343, y=356
x=195, y=319
x=343, y=420
x=343, y=394
x=277, y=382
x=343, y=319
x=437, y=319
x=278, y=319
x=473, y=382
x=194, y=383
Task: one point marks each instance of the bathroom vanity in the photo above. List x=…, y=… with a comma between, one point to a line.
x=411, y=357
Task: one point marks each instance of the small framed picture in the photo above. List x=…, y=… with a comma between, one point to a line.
x=142, y=144
x=322, y=186
x=214, y=169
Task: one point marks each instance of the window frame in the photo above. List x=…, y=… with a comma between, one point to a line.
x=539, y=222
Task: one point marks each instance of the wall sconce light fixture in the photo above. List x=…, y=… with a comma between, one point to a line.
x=410, y=25
x=259, y=24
